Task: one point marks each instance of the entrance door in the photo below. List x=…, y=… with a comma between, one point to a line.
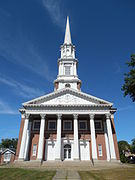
x=67, y=152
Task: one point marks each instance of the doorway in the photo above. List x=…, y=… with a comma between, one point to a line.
x=67, y=152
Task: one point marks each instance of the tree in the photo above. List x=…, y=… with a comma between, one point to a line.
x=129, y=85
x=132, y=147
x=123, y=147
x=9, y=143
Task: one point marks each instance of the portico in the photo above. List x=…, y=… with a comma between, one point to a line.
x=67, y=143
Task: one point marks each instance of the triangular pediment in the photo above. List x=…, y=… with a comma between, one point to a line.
x=67, y=96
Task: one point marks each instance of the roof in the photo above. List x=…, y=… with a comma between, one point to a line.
x=12, y=150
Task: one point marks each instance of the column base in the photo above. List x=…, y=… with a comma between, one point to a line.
x=76, y=159
x=39, y=160
x=114, y=160
x=57, y=159
x=20, y=159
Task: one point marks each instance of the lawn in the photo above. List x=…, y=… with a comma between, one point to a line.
x=25, y=174
x=111, y=174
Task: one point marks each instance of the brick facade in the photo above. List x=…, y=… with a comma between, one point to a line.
x=20, y=138
x=82, y=135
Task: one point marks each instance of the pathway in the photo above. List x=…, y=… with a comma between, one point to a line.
x=63, y=174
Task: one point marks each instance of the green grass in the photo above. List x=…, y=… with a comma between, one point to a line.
x=25, y=174
x=111, y=174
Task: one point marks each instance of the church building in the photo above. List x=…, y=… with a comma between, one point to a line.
x=67, y=124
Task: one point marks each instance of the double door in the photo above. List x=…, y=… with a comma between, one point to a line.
x=67, y=152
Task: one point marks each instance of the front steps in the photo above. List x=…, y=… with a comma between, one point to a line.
x=68, y=165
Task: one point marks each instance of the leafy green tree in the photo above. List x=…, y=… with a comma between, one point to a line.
x=132, y=147
x=123, y=147
x=129, y=85
x=9, y=143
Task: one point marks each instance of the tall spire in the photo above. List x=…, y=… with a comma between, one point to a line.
x=67, y=33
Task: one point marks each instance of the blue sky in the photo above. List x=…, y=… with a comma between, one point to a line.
x=31, y=32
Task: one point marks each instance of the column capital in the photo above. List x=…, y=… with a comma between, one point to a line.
x=23, y=115
x=108, y=116
x=91, y=116
x=27, y=116
x=59, y=116
x=75, y=116
x=42, y=116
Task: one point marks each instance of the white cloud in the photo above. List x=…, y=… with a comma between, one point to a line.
x=21, y=89
x=55, y=11
x=6, y=109
x=17, y=48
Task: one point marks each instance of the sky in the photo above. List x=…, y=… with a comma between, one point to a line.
x=31, y=32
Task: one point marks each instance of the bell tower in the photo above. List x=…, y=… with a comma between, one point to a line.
x=67, y=64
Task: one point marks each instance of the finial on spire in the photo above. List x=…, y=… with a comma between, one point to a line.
x=67, y=39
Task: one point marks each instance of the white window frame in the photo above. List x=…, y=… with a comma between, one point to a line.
x=100, y=151
x=34, y=152
x=85, y=124
x=49, y=122
x=69, y=66
x=34, y=123
x=100, y=123
x=8, y=156
x=64, y=126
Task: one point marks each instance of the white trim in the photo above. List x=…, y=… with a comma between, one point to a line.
x=100, y=151
x=49, y=122
x=64, y=127
x=69, y=111
x=7, y=149
x=35, y=129
x=85, y=124
x=100, y=124
x=35, y=151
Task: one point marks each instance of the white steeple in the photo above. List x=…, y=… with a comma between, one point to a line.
x=67, y=33
x=67, y=64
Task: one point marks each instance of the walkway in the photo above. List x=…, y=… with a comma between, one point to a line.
x=63, y=174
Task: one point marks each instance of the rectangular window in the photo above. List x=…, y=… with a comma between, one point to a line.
x=67, y=125
x=7, y=156
x=36, y=125
x=83, y=125
x=67, y=70
x=51, y=125
x=98, y=125
x=34, y=150
x=100, y=150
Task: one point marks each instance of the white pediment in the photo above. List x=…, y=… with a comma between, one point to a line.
x=67, y=96
x=68, y=99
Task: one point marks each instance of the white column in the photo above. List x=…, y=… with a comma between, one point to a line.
x=76, y=142
x=58, y=142
x=93, y=137
x=60, y=68
x=106, y=142
x=75, y=69
x=41, y=138
x=24, y=135
x=27, y=142
x=110, y=136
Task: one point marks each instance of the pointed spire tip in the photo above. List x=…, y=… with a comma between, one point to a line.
x=67, y=39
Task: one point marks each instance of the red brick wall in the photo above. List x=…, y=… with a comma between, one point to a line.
x=19, y=139
x=34, y=140
x=100, y=139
